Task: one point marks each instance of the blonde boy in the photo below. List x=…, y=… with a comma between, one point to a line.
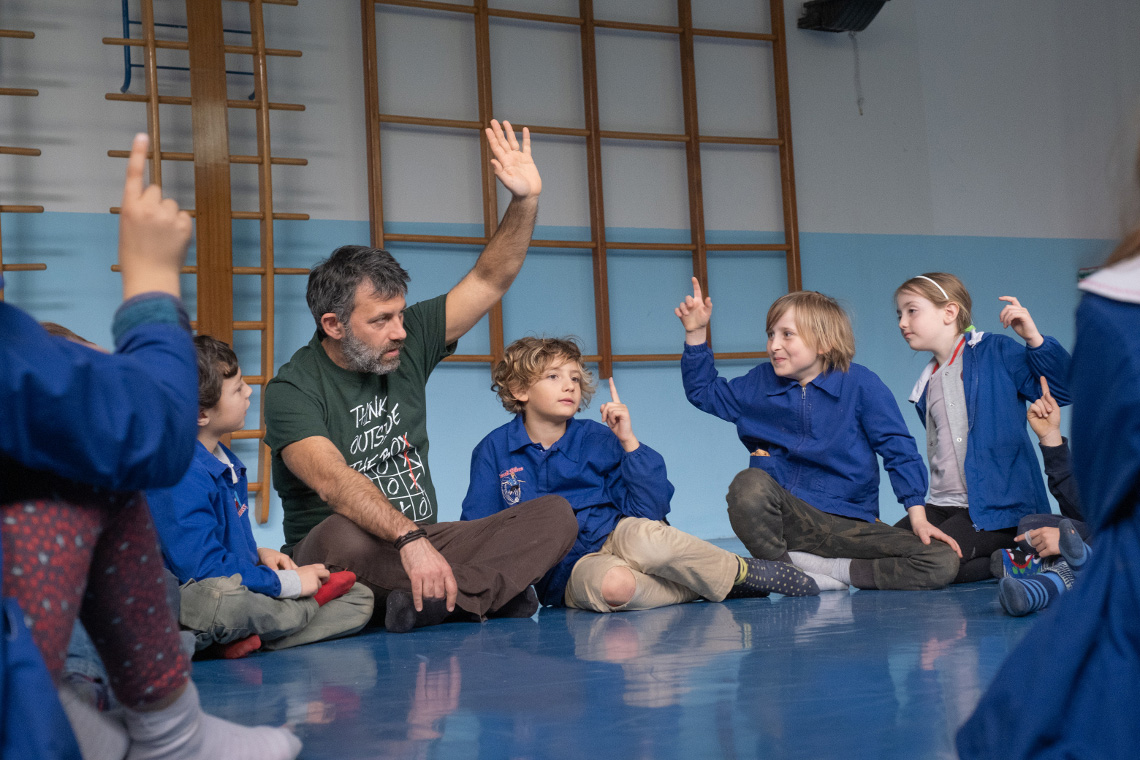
x=813, y=423
x=625, y=556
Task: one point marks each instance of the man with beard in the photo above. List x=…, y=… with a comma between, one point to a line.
x=346, y=421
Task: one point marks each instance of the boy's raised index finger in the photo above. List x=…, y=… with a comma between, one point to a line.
x=136, y=166
x=1045, y=389
x=613, y=391
x=697, y=290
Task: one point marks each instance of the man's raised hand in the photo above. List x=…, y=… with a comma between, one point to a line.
x=153, y=232
x=513, y=165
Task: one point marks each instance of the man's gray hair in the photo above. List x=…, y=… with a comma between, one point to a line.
x=333, y=282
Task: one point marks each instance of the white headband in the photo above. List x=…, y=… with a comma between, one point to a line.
x=924, y=277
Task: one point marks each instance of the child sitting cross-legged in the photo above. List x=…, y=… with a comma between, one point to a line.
x=234, y=594
x=626, y=557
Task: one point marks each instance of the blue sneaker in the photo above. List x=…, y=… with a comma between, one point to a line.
x=1013, y=563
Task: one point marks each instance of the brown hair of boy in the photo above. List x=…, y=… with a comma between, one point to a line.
x=955, y=293
x=822, y=323
x=216, y=362
x=526, y=359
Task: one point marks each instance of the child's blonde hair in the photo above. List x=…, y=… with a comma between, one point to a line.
x=823, y=324
x=945, y=288
x=526, y=359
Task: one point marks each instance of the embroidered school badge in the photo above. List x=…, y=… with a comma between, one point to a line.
x=511, y=486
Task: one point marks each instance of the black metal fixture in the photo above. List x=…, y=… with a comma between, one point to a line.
x=839, y=15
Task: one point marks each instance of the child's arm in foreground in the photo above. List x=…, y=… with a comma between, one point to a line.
x=888, y=435
x=139, y=405
x=704, y=388
x=1044, y=416
x=639, y=485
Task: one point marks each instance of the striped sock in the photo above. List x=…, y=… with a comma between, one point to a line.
x=1022, y=596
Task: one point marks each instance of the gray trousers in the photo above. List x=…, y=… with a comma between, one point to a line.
x=221, y=610
x=771, y=521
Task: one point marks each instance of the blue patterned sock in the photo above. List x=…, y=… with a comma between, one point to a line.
x=1022, y=596
x=1075, y=551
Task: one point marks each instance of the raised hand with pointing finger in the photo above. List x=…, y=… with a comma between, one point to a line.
x=1044, y=417
x=616, y=415
x=695, y=312
x=1017, y=316
x=153, y=232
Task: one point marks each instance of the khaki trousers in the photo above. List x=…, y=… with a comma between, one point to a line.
x=221, y=610
x=669, y=567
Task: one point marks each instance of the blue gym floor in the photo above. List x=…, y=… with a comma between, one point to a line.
x=867, y=674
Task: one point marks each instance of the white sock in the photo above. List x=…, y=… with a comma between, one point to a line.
x=101, y=736
x=183, y=732
x=837, y=568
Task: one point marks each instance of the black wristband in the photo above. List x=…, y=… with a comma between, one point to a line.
x=409, y=537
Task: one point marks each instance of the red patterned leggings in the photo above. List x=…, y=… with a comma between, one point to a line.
x=101, y=562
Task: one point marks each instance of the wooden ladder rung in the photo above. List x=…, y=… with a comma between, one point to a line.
x=183, y=45
x=170, y=155
x=240, y=214
x=182, y=100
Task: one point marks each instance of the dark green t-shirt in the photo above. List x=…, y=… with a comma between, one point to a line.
x=378, y=422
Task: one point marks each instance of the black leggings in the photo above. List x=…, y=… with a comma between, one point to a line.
x=976, y=545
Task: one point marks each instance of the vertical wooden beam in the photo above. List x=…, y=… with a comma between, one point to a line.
x=209, y=118
x=693, y=146
x=372, y=121
x=490, y=195
x=150, y=65
x=784, y=132
x=594, y=188
x=265, y=205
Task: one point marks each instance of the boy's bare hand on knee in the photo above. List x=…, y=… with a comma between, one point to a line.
x=429, y=573
x=926, y=531
x=695, y=312
x=312, y=578
x=153, y=232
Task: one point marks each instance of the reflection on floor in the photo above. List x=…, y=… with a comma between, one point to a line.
x=879, y=674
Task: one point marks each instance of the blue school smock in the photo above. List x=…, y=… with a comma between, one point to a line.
x=999, y=375
x=203, y=523
x=586, y=466
x=123, y=421
x=1071, y=689
x=820, y=439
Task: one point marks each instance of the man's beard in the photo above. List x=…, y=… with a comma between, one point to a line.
x=361, y=358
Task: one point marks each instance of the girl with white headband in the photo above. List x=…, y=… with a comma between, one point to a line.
x=971, y=397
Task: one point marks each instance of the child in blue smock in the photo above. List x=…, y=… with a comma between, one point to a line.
x=971, y=397
x=625, y=557
x=83, y=431
x=814, y=423
x=1072, y=686
x=235, y=594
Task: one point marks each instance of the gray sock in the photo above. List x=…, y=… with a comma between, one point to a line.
x=182, y=731
x=837, y=568
x=101, y=736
